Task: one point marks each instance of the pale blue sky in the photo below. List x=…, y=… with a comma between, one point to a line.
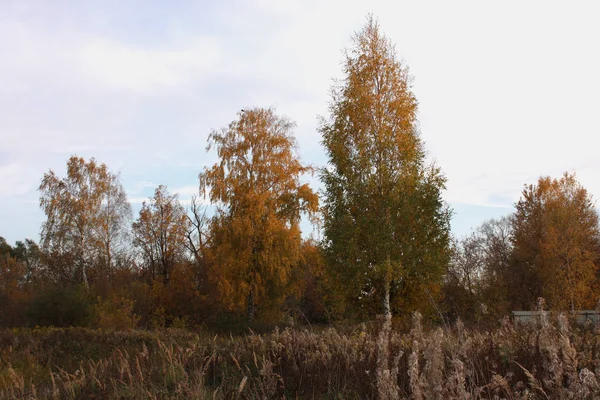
x=508, y=91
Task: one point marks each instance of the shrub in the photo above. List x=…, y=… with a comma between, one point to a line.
x=61, y=305
x=114, y=313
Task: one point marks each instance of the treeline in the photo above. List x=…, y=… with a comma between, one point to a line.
x=386, y=246
x=549, y=248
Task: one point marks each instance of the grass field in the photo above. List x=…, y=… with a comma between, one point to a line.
x=547, y=360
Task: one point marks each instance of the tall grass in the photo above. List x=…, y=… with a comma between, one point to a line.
x=542, y=361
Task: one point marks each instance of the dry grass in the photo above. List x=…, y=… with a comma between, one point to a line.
x=545, y=361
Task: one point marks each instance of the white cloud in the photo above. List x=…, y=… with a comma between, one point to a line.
x=186, y=190
x=148, y=71
x=185, y=194
x=138, y=200
x=140, y=186
x=507, y=92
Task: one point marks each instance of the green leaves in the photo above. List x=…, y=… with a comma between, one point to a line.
x=383, y=206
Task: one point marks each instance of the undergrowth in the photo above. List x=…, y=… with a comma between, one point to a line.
x=541, y=361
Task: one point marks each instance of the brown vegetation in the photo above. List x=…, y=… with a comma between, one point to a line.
x=542, y=361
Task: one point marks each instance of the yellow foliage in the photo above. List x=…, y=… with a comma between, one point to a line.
x=115, y=313
x=256, y=186
x=557, y=242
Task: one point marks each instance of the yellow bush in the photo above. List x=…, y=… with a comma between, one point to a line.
x=115, y=313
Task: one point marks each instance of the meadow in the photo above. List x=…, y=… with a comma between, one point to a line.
x=378, y=360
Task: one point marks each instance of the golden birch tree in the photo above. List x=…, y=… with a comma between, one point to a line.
x=87, y=217
x=256, y=187
x=556, y=245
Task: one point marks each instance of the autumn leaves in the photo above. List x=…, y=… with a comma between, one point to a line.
x=87, y=217
x=386, y=243
x=556, y=245
x=386, y=226
x=256, y=187
x=549, y=248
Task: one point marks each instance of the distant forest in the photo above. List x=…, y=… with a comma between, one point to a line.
x=386, y=246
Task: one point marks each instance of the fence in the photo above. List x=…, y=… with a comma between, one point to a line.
x=580, y=316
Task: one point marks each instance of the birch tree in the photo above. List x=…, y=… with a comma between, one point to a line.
x=386, y=227
x=160, y=233
x=556, y=245
x=256, y=187
x=87, y=216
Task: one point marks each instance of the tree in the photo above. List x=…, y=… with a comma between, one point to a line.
x=197, y=234
x=478, y=276
x=556, y=245
x=114, y=220
x=259, y=197
x=386, y=227
x=13, y=294
x=87, y=216
x=312, y=286
x=28, y=253
x=462, y=285
x=6, y=249
x=160, y=233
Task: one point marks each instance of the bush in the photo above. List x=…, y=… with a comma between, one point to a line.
x=61, y=305
x=114, y=313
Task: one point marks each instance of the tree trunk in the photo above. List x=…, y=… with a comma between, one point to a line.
x=108, y=259
x=387, y=310
x=84, y=276
x=83, y=262
x=250, y=307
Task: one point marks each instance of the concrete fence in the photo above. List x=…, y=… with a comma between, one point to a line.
x=580, y=316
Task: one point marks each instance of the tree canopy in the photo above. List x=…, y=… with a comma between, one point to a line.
x=160, y=233
x=556, y=245
x=87, y=216
x=385, y=224
x=237, y=252
x=259, y=197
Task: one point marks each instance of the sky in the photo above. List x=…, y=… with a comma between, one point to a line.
x=508, y=91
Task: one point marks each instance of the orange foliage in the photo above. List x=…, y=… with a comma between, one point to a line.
x=256, y=186
x=557, y=243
